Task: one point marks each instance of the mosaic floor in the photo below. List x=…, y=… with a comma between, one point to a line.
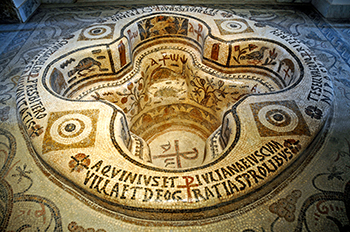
x=214, y=117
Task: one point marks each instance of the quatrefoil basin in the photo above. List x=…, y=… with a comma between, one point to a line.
x=173, y=113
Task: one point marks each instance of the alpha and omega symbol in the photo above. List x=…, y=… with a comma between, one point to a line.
x=278, y=118
x=174, y=159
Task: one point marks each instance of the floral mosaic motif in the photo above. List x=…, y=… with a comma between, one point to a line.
x=162, y=25
x=22, y=173
x=324, y=208
x=74, y=227
x=206, y=92
x=285, y=207
x=35, y=212
x=133, y=96
x=79, y=162
x=20, y=211
x=334, y=173
x=314, y=112
x=271, y=59
x=328, y=203
x=293, y=145
x=133, y=99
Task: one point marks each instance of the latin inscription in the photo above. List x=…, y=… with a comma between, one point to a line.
x=243, y=174
x=29, y=101
x=168, y=8
x=321, y=89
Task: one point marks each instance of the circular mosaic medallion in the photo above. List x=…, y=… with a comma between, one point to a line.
x=71, y=128
x=177, y=117
x=278, y=118
x=97, y=32
x=234, y=26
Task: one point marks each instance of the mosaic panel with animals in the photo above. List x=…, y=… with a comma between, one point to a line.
x=167, y=114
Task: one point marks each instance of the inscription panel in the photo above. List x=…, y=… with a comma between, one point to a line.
x=181, y=113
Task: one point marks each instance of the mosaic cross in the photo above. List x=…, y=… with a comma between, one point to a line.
x=189, y=155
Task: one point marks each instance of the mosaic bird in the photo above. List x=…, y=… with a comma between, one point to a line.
x=256, y=56
x=85, y=64
x=288, y=63
x=161, y=26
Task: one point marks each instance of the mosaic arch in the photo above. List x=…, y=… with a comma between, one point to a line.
x=172, y=113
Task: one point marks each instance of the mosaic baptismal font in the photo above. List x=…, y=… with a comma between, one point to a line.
x=174, y=114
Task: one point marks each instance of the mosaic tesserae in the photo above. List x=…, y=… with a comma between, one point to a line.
x=174, y=114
